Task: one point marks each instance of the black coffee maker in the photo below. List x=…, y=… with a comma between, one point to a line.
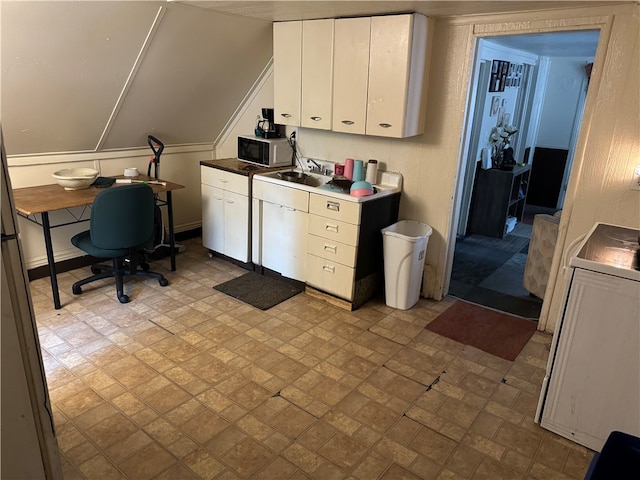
x=269, y=128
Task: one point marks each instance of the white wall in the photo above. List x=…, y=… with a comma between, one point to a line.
x=565, y=79
x=489, y=52
x=178, y=164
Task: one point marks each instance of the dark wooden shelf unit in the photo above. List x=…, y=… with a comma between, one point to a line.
x=497, y=195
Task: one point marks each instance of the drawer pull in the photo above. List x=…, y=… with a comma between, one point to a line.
x=335, y=206
x=329, y=268
x=316, y=119
x=331, y=228
x=223, y=180
x=330, y=248
x=385, y=125
x=230, y=201
x=348, y=122
x=286, y=115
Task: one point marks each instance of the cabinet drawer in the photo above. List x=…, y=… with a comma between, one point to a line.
x=337, y=209
x=225, y=180
x=332, y=251
x=280, y=195
x=330, y=277
x=334, y=230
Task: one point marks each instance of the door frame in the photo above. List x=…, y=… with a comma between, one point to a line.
x=506, y=29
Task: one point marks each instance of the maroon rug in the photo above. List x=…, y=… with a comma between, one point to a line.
x=494, y=332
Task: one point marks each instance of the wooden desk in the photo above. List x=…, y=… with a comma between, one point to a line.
x=42, y=199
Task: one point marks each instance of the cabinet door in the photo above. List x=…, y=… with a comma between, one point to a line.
x=394, y=83
x=284, y=240
x=287, y=72
x=317, y=73
x=236, y=226
x=212, y=218
x=351, y=74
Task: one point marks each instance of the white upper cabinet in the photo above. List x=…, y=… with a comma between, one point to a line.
x=354, y=75
x=287, y=71
x=317, y=73
x=351, y=74
x=397, y=60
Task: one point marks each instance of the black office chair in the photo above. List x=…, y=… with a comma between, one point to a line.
x=121, y=226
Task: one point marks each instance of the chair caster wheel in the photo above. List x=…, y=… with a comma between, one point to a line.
x=76, y=290
x=95, y=269
x=123, y=298
x=163, y=282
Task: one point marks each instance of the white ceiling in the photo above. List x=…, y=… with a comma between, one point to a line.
x=562, y=44
x=283, y=10
x=568, y=44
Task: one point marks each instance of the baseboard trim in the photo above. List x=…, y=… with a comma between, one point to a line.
x=86, y=260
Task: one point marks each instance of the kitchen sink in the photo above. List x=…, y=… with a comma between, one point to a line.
x=302, y=178
x=390, y=182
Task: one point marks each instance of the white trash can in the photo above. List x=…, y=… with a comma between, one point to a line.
x=404, y=247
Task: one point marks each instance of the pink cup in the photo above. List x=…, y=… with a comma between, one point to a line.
x=348, y=168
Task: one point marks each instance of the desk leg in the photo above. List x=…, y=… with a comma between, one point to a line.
x=172, y=242
x=46, y=227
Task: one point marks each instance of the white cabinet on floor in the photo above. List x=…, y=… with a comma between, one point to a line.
x=225, y=213
x=280, y=220
x=334, y=227
x=287, y=72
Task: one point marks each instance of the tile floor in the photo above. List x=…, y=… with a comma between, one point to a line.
x=186, y=383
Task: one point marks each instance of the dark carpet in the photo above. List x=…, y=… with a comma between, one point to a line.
x=258, y=290
x=493, y=332
x=488, y=271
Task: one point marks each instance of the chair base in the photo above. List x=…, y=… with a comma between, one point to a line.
x=121, y=267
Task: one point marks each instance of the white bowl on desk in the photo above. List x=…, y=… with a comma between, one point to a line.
x=76, y=178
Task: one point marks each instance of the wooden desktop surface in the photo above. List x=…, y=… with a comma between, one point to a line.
x=47, y=198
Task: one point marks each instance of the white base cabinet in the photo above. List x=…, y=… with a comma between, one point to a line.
x=280, y=222
x=225, y=213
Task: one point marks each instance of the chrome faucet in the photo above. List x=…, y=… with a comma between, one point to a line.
x=316, y=168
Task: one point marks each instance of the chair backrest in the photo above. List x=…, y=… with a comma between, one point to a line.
x=122, y=217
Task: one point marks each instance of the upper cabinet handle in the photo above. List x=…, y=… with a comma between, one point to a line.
x=316, y=119
x=385, y=125
x=347, y=122
x=286, y=115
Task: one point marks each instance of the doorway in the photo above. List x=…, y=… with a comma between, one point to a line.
x=537, y=84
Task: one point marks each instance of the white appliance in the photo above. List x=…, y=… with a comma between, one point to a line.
x=592, y=384
x=29, y=449
x=267, y=152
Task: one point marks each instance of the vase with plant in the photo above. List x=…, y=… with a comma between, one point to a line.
x=501, y=152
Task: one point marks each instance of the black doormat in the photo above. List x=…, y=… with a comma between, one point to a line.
x=258, y=290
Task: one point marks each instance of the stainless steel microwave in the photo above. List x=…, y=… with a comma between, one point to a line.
x=268, y=152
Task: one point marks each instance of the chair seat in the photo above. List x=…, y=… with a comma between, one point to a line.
x=82, y=240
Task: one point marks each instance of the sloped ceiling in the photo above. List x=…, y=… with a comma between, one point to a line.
x=87, y=76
